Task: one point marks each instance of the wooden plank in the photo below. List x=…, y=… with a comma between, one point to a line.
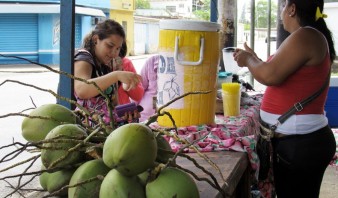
x=232, y=165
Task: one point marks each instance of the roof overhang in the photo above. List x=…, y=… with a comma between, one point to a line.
x=46, y=9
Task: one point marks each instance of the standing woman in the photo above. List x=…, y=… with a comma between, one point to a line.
x=304, y=144
x=99, y=61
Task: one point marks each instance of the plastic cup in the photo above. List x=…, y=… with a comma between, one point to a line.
x=231, y=96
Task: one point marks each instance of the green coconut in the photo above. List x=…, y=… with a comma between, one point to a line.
x=131, y=149
x=117, y=185
x=172, y=182
x=59, y=150
x=52, y=182
x=87, y=171
x=143, y=177
x=36, y=129
x=163, y=150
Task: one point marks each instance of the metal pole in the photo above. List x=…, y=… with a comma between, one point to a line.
x=67, y=21
x=252, y=33
x=213, y=11
x=269, y=29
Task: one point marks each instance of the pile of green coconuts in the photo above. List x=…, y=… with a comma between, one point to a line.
x=129, y=161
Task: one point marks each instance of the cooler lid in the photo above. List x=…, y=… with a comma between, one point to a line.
x=224, y=74
x=229, y=49
x=180, y=24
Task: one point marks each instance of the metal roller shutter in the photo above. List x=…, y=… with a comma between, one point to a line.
x=18, y=37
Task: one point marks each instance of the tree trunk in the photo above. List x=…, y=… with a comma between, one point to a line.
x=227, y=12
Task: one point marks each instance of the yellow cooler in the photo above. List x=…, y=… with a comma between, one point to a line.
x=189, y=58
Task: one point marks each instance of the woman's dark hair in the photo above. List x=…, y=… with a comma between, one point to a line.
x=123, y=50
x=105, y=29
x=306, y=11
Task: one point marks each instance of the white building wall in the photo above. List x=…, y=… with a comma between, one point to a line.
x=183, y=7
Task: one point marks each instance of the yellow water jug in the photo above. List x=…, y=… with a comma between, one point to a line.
x=189, y=58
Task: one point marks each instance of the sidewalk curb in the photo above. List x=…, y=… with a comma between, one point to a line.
x=26, y=68
x=29, y=68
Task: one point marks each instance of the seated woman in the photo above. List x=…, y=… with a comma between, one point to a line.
x=99, y=61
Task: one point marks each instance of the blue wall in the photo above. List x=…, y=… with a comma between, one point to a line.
x=48, y=31
x=86, y=25
x=49, y=24
x=49, y=40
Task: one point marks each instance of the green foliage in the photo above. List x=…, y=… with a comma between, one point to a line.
x=261, y=18
x=204, y=12
x=261, y=14
x=202, y=15
x=247, y=26
x=142, y=4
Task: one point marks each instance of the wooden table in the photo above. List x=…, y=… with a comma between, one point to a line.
x=233, y=165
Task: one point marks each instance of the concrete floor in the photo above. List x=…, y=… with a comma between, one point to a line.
x=329, y=187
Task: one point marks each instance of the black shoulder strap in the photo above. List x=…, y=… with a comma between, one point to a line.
x=300, y=105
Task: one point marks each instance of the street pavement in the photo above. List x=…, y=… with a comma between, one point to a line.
x=15, y=98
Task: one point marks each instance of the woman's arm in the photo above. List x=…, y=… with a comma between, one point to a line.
x=137, y=92
x=299, y=49
x=83, y=69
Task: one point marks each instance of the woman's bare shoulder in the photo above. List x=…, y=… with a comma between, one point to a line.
x=314, y=43
x=82, y=67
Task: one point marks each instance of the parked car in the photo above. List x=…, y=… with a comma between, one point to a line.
x=272, y=38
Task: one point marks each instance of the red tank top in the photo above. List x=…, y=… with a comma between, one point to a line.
x=301, y=84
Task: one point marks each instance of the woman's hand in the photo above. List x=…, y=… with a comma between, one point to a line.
x=129, y=79
x=248, y=49
x=241, y=57
x=131, y=116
